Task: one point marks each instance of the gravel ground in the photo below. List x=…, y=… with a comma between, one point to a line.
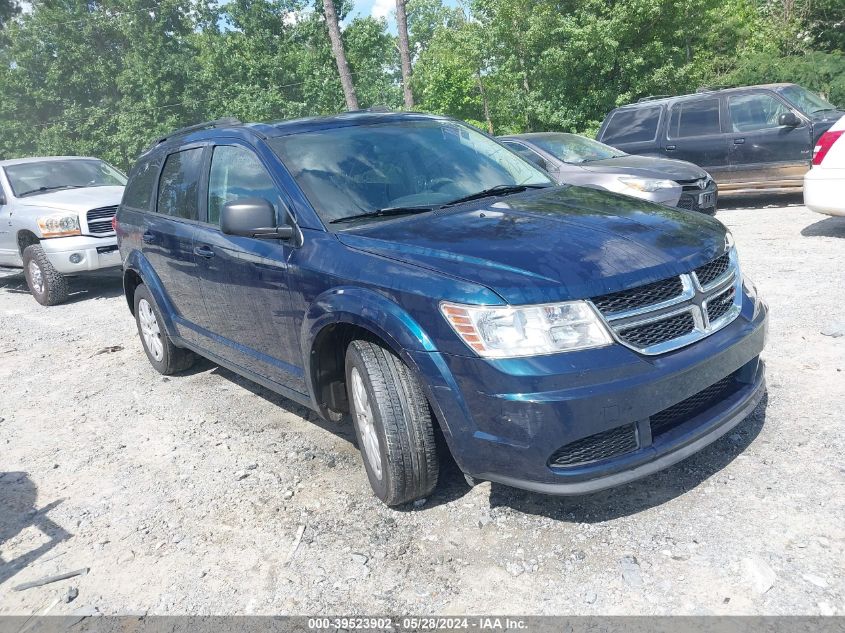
x=206, y=494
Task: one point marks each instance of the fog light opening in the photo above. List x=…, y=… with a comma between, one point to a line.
x=75, y=258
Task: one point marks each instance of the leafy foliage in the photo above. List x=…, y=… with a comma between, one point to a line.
x=104, y=77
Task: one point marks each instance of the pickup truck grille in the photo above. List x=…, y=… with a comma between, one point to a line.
x=604, y=445
x=99, y=220
x=671, y=313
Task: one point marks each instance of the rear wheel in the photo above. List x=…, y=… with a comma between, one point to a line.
x=163, y=355
x=47, y=285
x=392, y=423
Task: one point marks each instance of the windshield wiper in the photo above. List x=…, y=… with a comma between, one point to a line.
x=498, y=190
x=53, y=188
x=383, y=213
x=824, y=110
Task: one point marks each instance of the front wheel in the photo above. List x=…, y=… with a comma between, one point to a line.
x=392, y=423
x=47, y=285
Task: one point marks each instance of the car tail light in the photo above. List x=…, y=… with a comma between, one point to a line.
x=823, y=146
x=114, y=224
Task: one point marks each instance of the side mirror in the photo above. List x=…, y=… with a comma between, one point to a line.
x=252, y=217
x=789, y=119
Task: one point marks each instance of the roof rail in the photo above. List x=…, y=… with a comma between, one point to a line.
x=710, y=88
x=652, y=98
x=207, y=125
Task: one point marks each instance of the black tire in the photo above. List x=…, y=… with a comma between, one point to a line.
x=402, y=422
x=169, y=359
x=52, y=289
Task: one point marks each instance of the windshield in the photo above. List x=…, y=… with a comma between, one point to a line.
x=571, y=148
x=349, y=171
x=30, y=179
x=806, y=101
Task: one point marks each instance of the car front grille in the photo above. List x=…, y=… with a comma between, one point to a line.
x=639, y=297
x=99, y=220
x=711, y=271
x=668, y=314
x=604, y=445
x=685, y=410
x=720, y=305
x=657, y=332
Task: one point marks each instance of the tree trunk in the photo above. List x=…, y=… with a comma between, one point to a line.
x=484, y=102
x=340, y=55
x=404, y=53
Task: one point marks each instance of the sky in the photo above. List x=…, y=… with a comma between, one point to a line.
x=383, y=9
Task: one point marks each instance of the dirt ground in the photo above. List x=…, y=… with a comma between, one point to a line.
x=205, y=494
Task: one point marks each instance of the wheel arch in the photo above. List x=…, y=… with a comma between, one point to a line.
x=25, y=238
x=333, y=321
x=136, y=271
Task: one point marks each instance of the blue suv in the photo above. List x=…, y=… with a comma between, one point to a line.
x=410, y=273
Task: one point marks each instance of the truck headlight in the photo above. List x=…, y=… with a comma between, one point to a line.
x=649, y=185
x=514, y=331
x=59, y=225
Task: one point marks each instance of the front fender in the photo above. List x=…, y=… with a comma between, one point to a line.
x=370, y=310
x=139, y=264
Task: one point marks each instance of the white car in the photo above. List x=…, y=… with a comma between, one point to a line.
x=824, y=184
x=56, y=219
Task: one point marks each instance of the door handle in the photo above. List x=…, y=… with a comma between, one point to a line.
x=204, y=251
x=739, y=141
x=148, y=237
x=671, y=148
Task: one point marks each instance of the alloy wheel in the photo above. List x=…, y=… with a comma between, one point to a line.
x=150, y=330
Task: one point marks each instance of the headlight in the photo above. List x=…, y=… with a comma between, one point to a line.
x=509, y=332
x=59, y=225
x=648, y=185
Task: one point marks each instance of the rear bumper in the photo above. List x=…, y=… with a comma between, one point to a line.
x=79, y=254
x=824, y=190
x=505, y=419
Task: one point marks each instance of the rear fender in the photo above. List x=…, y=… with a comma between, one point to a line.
x=139, y=264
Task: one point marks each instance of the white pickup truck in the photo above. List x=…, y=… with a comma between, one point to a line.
x=56, y=220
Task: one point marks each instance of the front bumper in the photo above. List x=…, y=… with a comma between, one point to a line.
x=81, y=253
x=505, y=419
x=701, y=200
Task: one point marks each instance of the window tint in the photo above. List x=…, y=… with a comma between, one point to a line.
x=139, y=189
x=237, y=173
x=632, y=125
x=755, y=112
x=179, y=184
x=527, y=154
x=695, y=118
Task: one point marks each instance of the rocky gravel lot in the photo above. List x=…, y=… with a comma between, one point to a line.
x=205, y=494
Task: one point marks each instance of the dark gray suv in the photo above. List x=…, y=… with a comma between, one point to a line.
x=754, y=139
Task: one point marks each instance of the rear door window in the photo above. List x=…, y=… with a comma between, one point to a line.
x=695, y=118
x=632, y=125
x=756, y=111
x=139, y=190
x=178, y=186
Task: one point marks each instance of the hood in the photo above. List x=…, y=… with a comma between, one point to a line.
x=647, y=167
x=556, y=244
x=79, y=200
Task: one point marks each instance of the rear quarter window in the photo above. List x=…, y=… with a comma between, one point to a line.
x=139, y=192
x=632, y=125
